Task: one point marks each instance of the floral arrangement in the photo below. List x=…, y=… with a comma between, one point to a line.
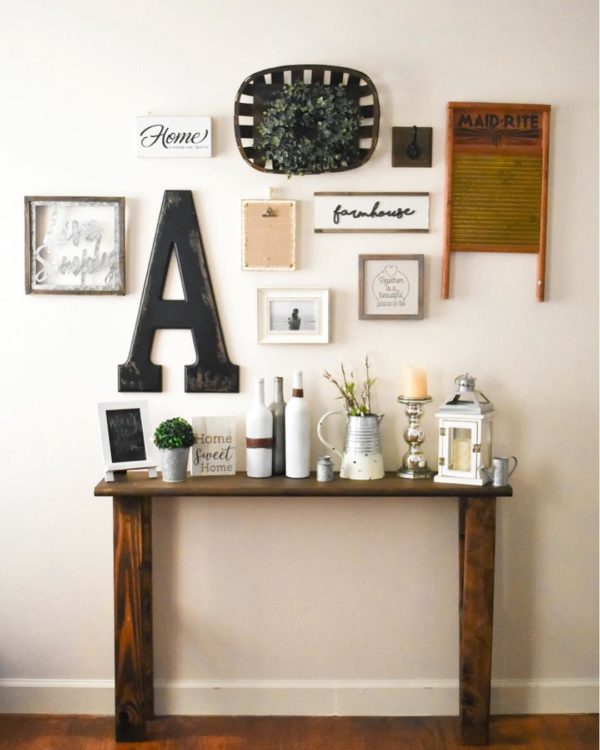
x=310, y=128
x=174, y=433
x=356, y=398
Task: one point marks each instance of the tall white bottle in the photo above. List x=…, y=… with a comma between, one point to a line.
x=259, y=435
x=297, y=432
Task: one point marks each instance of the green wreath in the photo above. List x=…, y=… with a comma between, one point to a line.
x=310, y=128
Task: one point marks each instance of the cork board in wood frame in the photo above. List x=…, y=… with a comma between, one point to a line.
x=497, y=182
x=268, y=235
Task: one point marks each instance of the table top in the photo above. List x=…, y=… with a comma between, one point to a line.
x=137, y=484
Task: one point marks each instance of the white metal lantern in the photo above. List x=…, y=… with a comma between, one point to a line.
x=465, y=435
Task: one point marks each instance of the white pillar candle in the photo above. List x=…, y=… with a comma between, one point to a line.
x=414, y=382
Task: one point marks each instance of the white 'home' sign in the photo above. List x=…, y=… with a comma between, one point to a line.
x=371, y=212
x=174, y=136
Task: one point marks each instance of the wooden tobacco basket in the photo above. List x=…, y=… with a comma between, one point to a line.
x=259, y=89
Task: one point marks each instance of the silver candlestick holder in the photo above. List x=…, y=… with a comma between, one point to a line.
x=414, y=463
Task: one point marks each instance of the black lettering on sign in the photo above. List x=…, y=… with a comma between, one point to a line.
x=161, y=134
x=212, y=372
x=497, y=128
x=374, y=213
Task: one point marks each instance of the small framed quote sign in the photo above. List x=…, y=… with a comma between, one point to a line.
x=371, y=212
x=165, y=137
x=390, y=287
x=213, y=454
x=497, y=182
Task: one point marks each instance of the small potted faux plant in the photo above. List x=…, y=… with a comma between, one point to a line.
x=174, y=438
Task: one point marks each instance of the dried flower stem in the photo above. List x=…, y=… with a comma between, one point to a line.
x=355, y=405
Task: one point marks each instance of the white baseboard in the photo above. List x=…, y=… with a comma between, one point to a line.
x=301, y=697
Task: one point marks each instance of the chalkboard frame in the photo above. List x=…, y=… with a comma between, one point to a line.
x=112, y=461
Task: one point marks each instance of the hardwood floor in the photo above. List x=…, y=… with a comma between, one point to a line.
x=539, y=732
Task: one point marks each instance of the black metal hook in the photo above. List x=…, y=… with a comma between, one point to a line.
x=413, y=151
x=269, y=213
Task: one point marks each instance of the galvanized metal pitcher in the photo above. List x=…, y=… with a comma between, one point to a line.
x=361, y=457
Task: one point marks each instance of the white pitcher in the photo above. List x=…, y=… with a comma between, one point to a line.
x=361, y=457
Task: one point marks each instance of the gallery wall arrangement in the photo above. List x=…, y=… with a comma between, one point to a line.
x=306, y=120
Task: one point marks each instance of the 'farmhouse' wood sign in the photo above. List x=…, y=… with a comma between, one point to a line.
x=371, y=212
x=497, y=182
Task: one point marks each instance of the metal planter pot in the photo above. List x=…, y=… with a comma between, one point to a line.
x=174, y=462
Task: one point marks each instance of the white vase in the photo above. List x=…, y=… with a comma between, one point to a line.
x=174, y=462
x=259, y=435
x=297, y=432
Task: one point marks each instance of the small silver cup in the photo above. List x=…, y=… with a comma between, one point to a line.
x=500, y=470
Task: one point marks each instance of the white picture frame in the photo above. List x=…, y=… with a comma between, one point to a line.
x=293, y=316
x=371, y=212
x=126, y=437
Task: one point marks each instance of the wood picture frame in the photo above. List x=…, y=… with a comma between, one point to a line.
x=371, y=212
x=497, y=182
x=268, y=235
x=74, y=245
x=293, y=316
x=126, y=437
x=391, y=287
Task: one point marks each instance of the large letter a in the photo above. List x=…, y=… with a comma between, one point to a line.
x=178, y=232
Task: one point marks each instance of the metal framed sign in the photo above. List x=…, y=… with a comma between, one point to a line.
x=74, y=245
x=167, y=137
x=371, y=212
x=497, y=182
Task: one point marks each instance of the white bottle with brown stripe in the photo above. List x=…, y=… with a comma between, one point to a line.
x=259, y=435
x=297, y=432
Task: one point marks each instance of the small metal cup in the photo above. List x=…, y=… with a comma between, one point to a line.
x=500, y=471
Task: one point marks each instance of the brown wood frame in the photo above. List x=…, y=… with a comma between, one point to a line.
x=31, y=200
x=359, y=86
x=132, y=513
x=363, y=260
x=539, y=145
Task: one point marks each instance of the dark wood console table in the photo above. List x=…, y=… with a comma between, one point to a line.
x=132, y=517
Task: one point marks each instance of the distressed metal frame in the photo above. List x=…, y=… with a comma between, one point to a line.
x=32, y=203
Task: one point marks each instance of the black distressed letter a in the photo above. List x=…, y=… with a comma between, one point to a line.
x=178, y=232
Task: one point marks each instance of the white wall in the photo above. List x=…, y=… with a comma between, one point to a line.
x=303, y=605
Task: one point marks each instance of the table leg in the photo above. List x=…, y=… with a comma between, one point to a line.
x=134, y=690
x=478, y=530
